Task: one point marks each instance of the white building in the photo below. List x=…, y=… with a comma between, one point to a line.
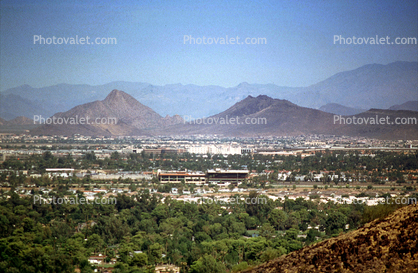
x=215, y=149
x=282, y=176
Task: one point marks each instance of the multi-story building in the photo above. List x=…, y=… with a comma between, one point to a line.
x=198, y=178
x=226, y=176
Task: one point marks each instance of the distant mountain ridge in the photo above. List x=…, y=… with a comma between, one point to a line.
x=13, y=106
x=265, y=116
x=20, y=121
x=3, y=121
x=370, y=86
x=17, y=125
x=118, y=114
x=251, y=117
x=17, y=121
x=338, y=109
x=409, y=105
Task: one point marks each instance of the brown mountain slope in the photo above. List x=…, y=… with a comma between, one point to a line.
x=264, y=116
x=409, y=105
x=118, y=114
x=129, y=110
x=21, y=120
x=388, y=130
x=261, y=116
x=388, y=245
x=251, y=117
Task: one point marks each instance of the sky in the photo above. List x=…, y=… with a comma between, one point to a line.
x=299, y=48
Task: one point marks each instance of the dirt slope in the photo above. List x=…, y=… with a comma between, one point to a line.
x=388, y=245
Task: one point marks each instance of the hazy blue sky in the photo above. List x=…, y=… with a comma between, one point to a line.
x=300, y=50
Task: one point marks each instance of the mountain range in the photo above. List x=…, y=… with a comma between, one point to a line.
x=19, y=124
x=338, y=109
x=118, y=114
x=261, y=116
x=251, y=117
x=21, y=120
x=370, y=86
x=409, y=105
x=13, y=106
x=283, y=118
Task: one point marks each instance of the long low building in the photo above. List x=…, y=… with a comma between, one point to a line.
x=198, y=178
x=230, y=176
x=59, y=170
x=211, y=176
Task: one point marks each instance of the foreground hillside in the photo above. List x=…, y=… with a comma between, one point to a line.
x=388, y=245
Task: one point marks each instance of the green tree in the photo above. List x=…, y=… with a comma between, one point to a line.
x=139, y=259
x=155, y=253
x=207, y=264
x=115, y=156
x=312, y=234
x=95, y=243
x=267, y=231
x=269, y=254
x=335, y=221
x=277, y=218
x=292, y=234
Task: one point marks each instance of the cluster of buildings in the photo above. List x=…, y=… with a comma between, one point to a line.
x=96, y=174
x=224, y=149
x=103, y=147
x=346, y=177
x=102, y=266
x=217, y=176
x=200, y=149
x=314, y=177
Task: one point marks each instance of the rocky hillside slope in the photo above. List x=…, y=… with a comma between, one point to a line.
x=388, y=245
